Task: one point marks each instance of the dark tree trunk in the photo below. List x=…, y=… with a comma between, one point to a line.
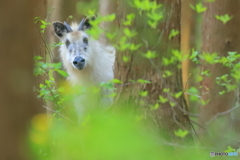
x=221, y=39
x=168, y=118
x=20, y=41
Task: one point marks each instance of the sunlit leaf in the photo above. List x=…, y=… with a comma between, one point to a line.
x=224, y=18
x=181, y=133
x=173, y=33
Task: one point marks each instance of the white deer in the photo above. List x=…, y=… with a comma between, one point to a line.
x=87, y=61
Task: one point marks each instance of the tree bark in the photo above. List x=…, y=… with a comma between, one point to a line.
x=20, y=41
x=168, y=118
x=191, y=39
x=221, y=39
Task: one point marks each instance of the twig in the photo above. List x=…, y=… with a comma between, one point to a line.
x=198, y=124
x=58, y=113
x=182, y=146
x=221, y=114
x=193, y=94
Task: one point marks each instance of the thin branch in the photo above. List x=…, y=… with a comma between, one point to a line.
x=198, y=124
x=182, y=146
x=193, y=94
x=222, y=114
x=58, y=113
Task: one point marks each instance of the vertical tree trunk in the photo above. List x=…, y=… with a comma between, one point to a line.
x=106, y=7
x=20, y=41
x=221, y=39
x=191, y=39
x=166, y=117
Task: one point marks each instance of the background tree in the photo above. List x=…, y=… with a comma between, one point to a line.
x=220, y=36
x=20, y=41
x=60, y=10
x=152, y=62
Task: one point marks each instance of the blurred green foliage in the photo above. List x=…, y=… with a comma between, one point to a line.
x=106, y=135
x=103, y=136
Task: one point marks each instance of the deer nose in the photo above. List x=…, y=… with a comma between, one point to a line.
x=79, y=62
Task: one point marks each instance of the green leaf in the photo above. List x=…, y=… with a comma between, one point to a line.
x=91, y=11
x=107, y=85
x=43, y=22
x=194, y=56
x=206, y=73
x=210, y=58
x=42, y=85
x=134, y=47
x=95, y=32
x=62, y=73
x=204, y=102
x=109, y=17
x=230, y=149
x=123, y=45
x=143, y=81
x=198, y=78
x=125, y=58
x=231, y=87
x=110, y=36
x=150, y=54
x=154, y=107
x=199, y=8
x=167, y=62
x=177, y=95
x=224, y=18
x=152, y=24
x=155, y=16
x=181, y=133
x=116, y=81
x=173, y=33
x=131, y=80
x=166, y=90
x=130, y=17
x=36, y=19
x=37, y=58
x=143, y=93
x=129, y=33
x=177, y=55
x=56, y=44
x=162, y=99
x=43, y=26
x=172, y=104
x=222, y=92
x=167, y=73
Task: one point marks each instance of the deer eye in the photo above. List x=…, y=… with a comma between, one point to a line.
x=67, y=42
x=85, y=40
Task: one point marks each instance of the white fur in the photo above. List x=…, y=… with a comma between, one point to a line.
x=100, y=61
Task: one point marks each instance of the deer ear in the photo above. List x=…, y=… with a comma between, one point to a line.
x=60, y=29
x=85, y=23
